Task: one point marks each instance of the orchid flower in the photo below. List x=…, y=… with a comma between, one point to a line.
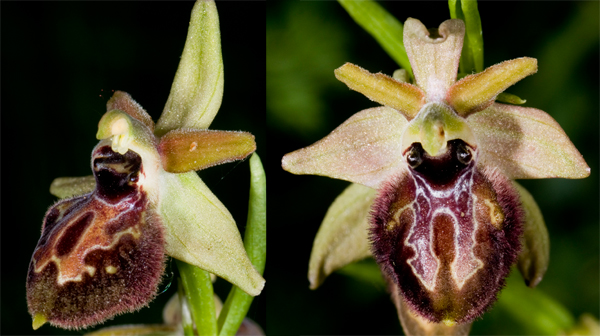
x=433, y=197
x=102, y=248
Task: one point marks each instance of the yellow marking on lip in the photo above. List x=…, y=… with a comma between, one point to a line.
x=111, y=269
x=449, y=322
x=496, y=214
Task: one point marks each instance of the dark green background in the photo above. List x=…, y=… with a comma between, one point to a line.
x=60, y=62
x=307, y=40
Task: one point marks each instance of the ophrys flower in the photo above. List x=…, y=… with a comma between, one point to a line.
x=446, y=219
x=102, y=253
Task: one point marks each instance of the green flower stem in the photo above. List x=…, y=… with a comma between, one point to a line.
x=186, y=321
x=255, y=241
x=199, y=293
x=471, y=59
x=384, y=27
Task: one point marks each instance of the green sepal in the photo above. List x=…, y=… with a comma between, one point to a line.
x=64, y=187
x=535, y=252
x=200, y=231
x=343, y=237
x=197, y=89
x=184, y=150
x=434, y=55
x=525, y=143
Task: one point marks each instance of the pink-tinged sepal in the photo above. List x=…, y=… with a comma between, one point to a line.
x=100, y=254
x=447, y=233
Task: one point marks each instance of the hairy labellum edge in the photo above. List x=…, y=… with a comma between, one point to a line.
x=427, y=277
x=100, y=254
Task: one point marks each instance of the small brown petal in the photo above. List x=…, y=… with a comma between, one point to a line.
x=123, y=101
x=476, y=92
x=184, y=150
x=382, y=89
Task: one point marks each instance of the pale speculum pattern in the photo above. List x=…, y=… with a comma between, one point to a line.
x=451, y=207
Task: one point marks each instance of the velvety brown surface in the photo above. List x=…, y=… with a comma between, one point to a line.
x=447, y=234
x=100, y=254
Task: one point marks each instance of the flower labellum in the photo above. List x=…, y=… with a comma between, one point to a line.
x=100, y=253
x=447, y=233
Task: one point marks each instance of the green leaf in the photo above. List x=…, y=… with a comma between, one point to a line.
x=385, y=28
x=472, y=55
x=255, y=241
x=199, y=293
x=535, y=310
x=366, y=271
